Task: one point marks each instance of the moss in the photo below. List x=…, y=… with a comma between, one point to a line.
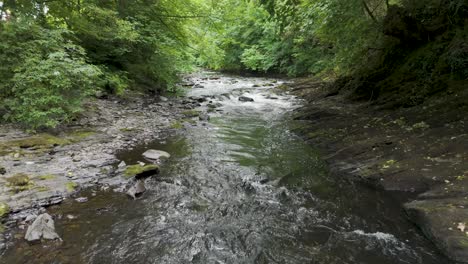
x=19, y=182
x=47, y=177
x=20, y=179
x=138, y=169
x=43, y=189
x=177, y=125
x=4, y=209
x=80, y=135
x=41, y=141
x=191, y=113
x=71, y=186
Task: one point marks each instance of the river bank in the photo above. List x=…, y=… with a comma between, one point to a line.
x=43, y=169
x=419, y=154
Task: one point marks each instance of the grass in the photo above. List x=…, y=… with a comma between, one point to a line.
x=177, y=125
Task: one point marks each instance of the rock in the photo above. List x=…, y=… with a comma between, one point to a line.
x=2, y=170
x=81, y=199
x=245, y=99
x=121, y=167
x=137, y=189
x=30, y=218
x=440, y=220
x=204, y=117
x=141, y=171
x=43, y=227
x=163, y=99
x=153, y=154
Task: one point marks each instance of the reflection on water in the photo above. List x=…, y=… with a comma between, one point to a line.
x=241, y=189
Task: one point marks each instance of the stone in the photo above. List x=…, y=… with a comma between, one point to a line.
x=30, y=218
x=153, y=154
x=42, y=227
x=81, y=199
x=2, y=170
x=439, y=220
x=245, y=99
x=204, y=117
x=136, y=190
x=163, y=99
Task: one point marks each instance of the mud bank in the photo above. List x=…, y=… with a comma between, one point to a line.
x=418, y=154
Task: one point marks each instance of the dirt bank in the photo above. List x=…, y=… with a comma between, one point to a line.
x=420, y=150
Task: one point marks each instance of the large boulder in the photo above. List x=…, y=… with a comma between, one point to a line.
x=153, y=154
x=443, y=221
x=42, y=228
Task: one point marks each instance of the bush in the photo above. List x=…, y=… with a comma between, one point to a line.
x=48, y=79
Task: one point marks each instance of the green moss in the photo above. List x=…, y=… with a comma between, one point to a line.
x=71, y=186
x=80, y=135
x=177, y=125
x=190, y=121
x=191, y=113
x=41, y=141
x=47, y=177
x=4, y=209
x=19, y=182
x=43, y=189
x=138, y=169
x=20, y=179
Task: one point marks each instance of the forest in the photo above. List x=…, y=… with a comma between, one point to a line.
x=55, y=54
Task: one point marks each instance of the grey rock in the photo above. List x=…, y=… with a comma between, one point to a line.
x=204, y=117
x=153, y=154
x=245, y=99
x=81, y=199
x=43, y=227
x=137, y=189
x=30, y=218
x=163, y=99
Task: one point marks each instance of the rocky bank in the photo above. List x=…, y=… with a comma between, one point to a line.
x=418, y=154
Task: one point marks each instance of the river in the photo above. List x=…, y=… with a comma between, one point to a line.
x=241, y=188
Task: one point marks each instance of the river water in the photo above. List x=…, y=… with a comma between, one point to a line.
x=241, y=188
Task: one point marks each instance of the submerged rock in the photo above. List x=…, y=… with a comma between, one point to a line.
x=136, y=190
x=245, y=99
x=156, y=154
x=81, y=199
x=42, y=227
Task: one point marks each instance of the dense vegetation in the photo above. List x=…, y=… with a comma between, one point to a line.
x=56, y=53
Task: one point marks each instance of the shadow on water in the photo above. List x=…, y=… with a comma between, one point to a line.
x=243, y=189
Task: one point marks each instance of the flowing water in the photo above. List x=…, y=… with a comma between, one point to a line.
x=239, y=189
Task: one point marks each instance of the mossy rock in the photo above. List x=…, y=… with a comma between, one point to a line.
x=177, y=125
x=81, y=135
x=4, y=209
x=37, y=142
x=141, y=171
x=47, y=177
x=20, y=182
x=71, y=186
x=191, y=113
x=20, y=179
